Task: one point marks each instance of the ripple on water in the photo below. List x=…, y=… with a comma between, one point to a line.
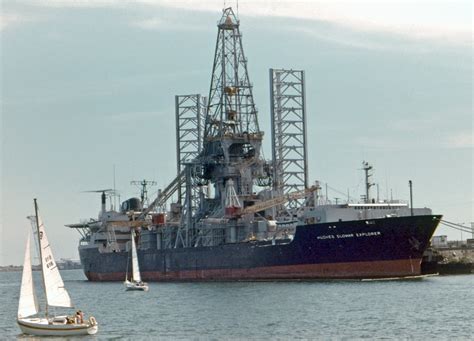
x=438, y=307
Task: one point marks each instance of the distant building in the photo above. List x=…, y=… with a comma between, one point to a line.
x=439, y=241
x=68, y=264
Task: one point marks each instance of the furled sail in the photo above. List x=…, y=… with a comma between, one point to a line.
x=56, y=294
x=135, y=268
x=28, y=304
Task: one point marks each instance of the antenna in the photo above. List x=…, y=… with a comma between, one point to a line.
x=143, y=184
x=115, y=197
x=327, y=194
x=366, y=168
x=410, y=184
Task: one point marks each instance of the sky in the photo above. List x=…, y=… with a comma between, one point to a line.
x=88, y=87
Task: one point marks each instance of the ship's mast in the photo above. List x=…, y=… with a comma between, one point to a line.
x=143, y=190
x=367, y=168
x=40, y=253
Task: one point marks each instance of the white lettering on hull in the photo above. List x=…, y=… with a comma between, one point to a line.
x=350, y=235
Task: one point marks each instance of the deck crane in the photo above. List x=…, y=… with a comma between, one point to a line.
x=279, y=200
x=164, y=195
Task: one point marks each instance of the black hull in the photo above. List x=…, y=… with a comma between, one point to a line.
x=376, y=248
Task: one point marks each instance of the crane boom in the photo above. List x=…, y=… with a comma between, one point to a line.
x=278, y=200
x=164, y=195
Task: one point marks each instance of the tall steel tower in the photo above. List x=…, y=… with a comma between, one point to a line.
x=232, y=138
x=288, y=109
x=190, y=113
x=231, y=106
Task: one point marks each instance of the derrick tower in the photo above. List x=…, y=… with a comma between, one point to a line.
x=232, y=138
x=231, y=107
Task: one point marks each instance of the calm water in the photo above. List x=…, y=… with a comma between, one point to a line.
x=436, y=307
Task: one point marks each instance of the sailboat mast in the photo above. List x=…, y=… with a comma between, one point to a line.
x=40, y=253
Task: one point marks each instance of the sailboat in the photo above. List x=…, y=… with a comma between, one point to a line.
x=56, y=294
x=136, y=282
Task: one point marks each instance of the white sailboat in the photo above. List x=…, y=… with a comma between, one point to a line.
x=55, y=292
x=136, y=282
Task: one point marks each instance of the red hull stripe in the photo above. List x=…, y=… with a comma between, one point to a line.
x=372, y=269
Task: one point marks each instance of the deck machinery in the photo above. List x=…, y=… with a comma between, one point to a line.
x=219, y=162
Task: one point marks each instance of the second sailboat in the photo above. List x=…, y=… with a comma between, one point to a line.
x=135, y=282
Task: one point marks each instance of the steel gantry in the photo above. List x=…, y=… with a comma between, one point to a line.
x=190, y=114
x=288, y=119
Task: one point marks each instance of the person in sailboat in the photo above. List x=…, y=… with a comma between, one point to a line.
x=79, y=317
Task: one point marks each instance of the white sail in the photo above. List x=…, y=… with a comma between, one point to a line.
x=28, y=304
x=56, y=294
x=135, y=268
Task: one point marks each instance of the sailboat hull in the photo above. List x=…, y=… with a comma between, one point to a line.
x=43, y=327
x=135, y=286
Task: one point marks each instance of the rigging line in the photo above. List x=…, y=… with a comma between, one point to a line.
x=455, y=225
x=459, y=225
x=337, y=191
x=456, y=228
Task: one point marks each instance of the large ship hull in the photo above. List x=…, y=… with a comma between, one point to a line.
x=375, y=248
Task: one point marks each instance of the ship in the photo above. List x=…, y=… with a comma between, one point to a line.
x=234, y=216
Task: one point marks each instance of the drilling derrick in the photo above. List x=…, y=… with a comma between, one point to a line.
x=231, y=107
x=232, y=138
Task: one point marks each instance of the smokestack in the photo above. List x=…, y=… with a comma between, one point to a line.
x=103, y=202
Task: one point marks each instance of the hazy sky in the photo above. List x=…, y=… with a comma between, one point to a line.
x=86, y=85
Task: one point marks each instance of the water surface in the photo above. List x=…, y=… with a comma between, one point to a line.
x=435, y=307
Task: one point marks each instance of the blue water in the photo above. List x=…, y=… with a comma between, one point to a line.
x=432, y=308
